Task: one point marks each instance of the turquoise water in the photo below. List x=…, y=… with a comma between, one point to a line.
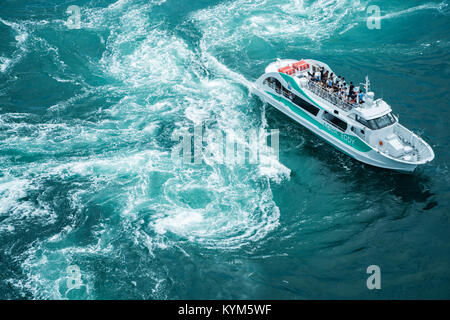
x=86, y=177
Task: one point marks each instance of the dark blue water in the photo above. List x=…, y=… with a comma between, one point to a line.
x=87, y=118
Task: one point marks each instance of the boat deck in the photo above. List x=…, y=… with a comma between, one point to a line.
x=331, y=97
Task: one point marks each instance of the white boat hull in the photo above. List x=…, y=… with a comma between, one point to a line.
x=372, y=157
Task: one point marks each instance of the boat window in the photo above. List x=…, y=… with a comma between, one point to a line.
x=378, y=123
x=273, y=83
x=340, y=124
x=367, y=123
x=305, y=105
x=385, y=120
x=287, y=93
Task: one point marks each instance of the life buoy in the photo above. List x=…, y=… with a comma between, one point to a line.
x=380, y=143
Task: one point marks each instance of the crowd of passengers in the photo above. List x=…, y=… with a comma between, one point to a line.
x=337, y=86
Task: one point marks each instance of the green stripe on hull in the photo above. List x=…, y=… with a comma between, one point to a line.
x=349, y=140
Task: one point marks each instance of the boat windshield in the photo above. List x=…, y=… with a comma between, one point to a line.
x=378, y=123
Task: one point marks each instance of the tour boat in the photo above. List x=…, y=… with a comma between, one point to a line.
x=362, y=127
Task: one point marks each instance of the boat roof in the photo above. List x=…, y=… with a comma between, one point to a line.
x=378, y=109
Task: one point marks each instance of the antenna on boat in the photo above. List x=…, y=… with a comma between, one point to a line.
x=367, y=84
x=369, y=95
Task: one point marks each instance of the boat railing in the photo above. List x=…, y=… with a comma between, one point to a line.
x=320, y=91
x=329, y=96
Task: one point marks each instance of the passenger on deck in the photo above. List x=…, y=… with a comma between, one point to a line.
x=325, y=78
x=352, y=89
x=317, y=76
x=330, y=82
x=361, y=97
x=331, y=79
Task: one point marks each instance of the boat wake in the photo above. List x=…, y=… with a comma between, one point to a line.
x=110, y=168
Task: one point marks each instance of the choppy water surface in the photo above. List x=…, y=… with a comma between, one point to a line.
x=86, y=177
